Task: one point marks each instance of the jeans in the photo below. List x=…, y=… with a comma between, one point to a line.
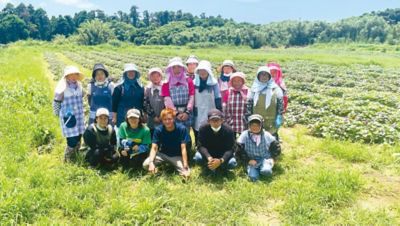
x=230, y=164
x=263, y=167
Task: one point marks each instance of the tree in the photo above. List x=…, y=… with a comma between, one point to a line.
x=95, y=32
x=146, y=18
x=12, y=29
x=134, y=15
x=123, y=31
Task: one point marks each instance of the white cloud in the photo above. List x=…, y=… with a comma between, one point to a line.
x=43, y=4
x=3, y=3
x=82, y=4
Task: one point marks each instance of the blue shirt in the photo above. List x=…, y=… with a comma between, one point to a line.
x=169, y=142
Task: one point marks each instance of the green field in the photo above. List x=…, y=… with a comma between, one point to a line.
x=337, y=166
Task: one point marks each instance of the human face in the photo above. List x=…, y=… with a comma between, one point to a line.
x=102, y=120
x=274, y=73
x=100, y=75
x=227, y=70
x=155, y=78
x=177, y=69
x=203, y=74
x=73, y=77
x=133, y=122
x=131, y=74
x=237, y=82
x=191, y=67
x=263, y=76
x=215, y=122
x=255, y=127
x=168, y=121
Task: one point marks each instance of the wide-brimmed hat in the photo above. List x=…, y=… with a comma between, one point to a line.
x=73, y=70
x=237, y=75
x=204, y=65
x=133, y=113
x=192, y=59
x=176, y=61
x=99, y=66
x=130, y=67
x=155, y=69
x=226, y=63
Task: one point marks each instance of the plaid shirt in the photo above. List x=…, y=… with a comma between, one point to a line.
x=72, y=101
x=235, y=109
x=180, y=98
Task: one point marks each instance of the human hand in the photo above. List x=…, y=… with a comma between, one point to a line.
x=214, y=163
x=135, y=148
x=152, y=168
x=185, y=116
x=186, y=174
x=253, y=162
x=125, y=152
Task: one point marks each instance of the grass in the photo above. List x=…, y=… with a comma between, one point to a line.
x=315, y=181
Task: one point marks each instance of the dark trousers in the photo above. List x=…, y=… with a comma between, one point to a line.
x=73, y=141
x=135, y=161
x=102, y=157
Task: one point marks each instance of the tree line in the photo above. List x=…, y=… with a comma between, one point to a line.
x=179, y=28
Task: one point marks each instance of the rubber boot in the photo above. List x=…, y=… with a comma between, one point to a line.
x=69, y=153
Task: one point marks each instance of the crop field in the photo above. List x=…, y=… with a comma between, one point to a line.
x=338, y=165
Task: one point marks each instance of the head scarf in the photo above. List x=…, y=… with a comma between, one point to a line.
x=155, y=69
x=64, y=83
x=174, y=79
x=279, y=77
x=263, y=87
x=242, y=87
x=128, y=83
x=202, y=84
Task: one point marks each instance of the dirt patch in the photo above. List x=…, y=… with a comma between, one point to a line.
x=382, y=190
x=267, y=215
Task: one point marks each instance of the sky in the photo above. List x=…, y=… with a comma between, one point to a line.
x=253, y=11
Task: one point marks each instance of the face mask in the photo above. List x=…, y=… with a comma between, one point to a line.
x=216, y=129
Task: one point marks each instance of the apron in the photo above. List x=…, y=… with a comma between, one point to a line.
x=132, y=98
x=180, y=98
x=268, y=114
x=71, y=113
x=101, y=98
x=204, y=102
x=157, y=103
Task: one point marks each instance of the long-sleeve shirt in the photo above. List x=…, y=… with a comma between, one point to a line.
x=216, y=145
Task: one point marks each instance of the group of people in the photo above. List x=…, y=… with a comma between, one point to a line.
x=149, y=126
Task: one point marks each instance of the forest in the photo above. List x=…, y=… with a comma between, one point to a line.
x=180, y=28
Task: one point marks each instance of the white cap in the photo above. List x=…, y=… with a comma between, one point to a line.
x=102, y=111
x=133, y=113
